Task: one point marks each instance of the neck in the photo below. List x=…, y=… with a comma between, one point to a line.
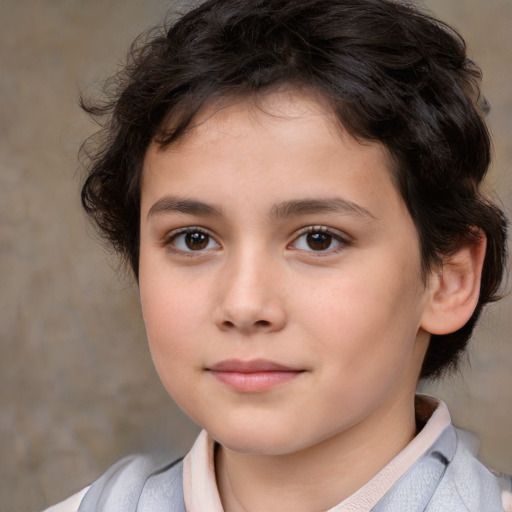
x=321, y=476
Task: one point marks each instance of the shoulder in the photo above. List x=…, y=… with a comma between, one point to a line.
x=468, y=486
x=142, y=483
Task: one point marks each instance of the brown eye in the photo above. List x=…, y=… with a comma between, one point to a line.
x=319, y=241
x=196, y=240
x=190, y=240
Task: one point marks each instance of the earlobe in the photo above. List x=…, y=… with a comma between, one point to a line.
x=454, y=288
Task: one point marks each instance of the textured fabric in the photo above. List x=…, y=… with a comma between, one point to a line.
x=447, y=477
x=137, y=484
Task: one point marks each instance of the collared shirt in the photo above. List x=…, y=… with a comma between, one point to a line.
x=200, y=487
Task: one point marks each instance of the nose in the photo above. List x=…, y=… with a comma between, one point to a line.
x=250, y=296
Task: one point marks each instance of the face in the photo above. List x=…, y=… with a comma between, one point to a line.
x=280, y=277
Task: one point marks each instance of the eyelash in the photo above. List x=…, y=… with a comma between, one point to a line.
x=171, y=238
x=342, y=241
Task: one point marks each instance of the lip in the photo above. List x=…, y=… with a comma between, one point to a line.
x=255, y=376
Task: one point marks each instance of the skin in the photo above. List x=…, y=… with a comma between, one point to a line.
x=348, y=319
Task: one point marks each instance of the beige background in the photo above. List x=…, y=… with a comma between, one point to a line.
x=77, y=389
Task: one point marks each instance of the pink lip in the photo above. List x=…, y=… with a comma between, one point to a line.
x=254, y=376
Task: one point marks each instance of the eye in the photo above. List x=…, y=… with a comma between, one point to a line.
x=191, y=240
x=319, y=239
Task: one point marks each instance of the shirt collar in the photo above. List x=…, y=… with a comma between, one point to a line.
x=200, y=487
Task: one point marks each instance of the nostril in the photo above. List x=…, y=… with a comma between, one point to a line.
x=262, y=323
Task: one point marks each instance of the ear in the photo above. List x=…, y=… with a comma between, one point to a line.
x=454, y=288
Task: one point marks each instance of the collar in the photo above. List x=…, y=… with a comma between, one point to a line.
x=200, y=487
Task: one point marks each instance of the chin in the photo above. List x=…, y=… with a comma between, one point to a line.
x=255, y=441
x=266, y=440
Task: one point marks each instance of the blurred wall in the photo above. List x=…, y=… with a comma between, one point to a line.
x=77, y=388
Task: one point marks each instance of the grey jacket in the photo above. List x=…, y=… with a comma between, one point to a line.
x=447, y=478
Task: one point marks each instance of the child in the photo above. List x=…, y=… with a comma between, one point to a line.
x=296, y=186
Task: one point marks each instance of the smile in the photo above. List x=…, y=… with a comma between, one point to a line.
x=255, y=376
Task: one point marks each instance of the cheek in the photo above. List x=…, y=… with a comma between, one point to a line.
x=370, y=317
x=170, y=315
x=170, y=328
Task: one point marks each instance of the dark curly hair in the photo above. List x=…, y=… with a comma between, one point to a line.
x=390, y=72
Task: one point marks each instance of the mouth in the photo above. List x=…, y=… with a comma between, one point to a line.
x=256, y=376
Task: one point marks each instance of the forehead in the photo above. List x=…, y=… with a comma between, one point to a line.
x=283, y=103
x=287, y=143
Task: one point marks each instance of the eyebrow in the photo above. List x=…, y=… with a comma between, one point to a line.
x=322, y=205
x=280, y=210
x=189, y=206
